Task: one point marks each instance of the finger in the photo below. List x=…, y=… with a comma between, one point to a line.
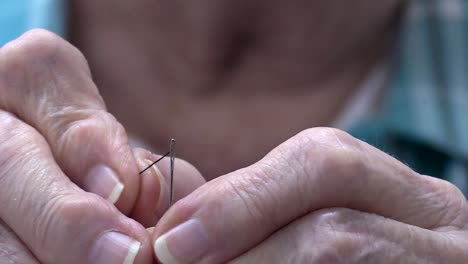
x=46, y=82
x=58, y=221
x=12, y=250
x=341, y=235
x=155, y=183
x=319, y=168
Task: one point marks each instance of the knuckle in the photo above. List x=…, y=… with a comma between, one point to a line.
x=17, y=141
x=333, y=219
x=332, y=153
x=72, y=208
x=71, y=126
x=451, y=190
x=328, y=142
x=33, y=47
x=37, y=56
x=83, y=123
x=326, y=136
x=335, y=236
x=342, y=165
x=25, y=62
x=257, y=192
x=68, y=215
x=451, y=201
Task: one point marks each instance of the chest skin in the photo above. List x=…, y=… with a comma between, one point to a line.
x=229, y=80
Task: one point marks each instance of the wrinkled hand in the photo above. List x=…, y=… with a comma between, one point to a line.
x=321, y=197
x=58, y=146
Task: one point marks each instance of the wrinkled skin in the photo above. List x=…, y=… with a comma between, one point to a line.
x=325, y=197
x=53, y=128
x=320, y=197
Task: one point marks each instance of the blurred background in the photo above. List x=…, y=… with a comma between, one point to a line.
x=230, y=80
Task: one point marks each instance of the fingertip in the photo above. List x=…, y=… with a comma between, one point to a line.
x=103, y=181
x=141, y=249
x=116, y=193
x=102, y=162
x=140, y=253
x=150, y=230
x=162, y=252
x=187, y=178
x=186, y=243
x=153, y=200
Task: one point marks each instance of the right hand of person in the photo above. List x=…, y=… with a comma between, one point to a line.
x=322, y=196
x=70, y=191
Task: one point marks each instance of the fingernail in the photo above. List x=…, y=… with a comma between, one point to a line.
x=150, y=230
x=160, y=178
x=103, y=181
x=186, y=243
x=113, y=247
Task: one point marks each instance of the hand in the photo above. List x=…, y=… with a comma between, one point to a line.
x=58, y=146
x=321, y=197
x=12, y=250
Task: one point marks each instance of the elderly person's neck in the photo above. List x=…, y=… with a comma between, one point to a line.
x=230, y=79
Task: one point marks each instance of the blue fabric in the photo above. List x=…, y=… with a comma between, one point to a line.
x=18, y=16
x=425, y=120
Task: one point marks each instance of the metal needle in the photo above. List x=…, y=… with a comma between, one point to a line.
x=172, y=151
x=172, y=156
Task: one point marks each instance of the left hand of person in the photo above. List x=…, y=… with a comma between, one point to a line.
x=321, y=197
x=70, y=187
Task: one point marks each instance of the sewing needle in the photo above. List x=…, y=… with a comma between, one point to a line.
x=172, y=157
x=172, y=151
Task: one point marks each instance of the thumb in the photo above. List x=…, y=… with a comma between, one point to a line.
x=155, y=185
x=46, y=82
x=56, y=220
x=319, y=168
